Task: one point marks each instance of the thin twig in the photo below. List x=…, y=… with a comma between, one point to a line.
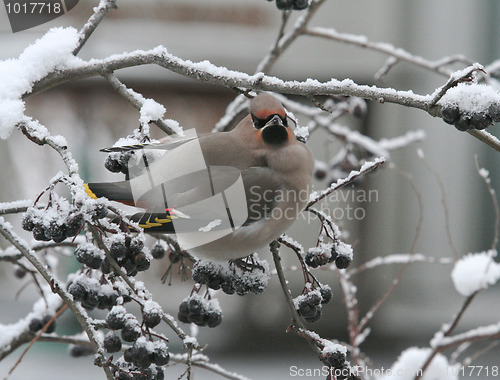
x=90, y=26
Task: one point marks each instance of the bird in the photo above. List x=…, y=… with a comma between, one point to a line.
x=225, y=195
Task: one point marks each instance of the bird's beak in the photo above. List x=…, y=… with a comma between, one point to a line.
x=275, y=121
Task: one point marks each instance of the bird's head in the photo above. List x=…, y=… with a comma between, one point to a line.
x=270, y=120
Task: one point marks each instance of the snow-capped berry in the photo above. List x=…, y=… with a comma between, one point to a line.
x=343, y=262
x=195, y=306
x=315, y=258
x=450, y=114
x=112, y=343
x=158, y=251
x=28, y=222
x=98, y=211
x=151, y=319
x=77, y=290
x=116, y=318
x=56, y=232
x=309, y=306
x=131, y=331
x=136, y=245
x=130, y=267
x=494, y=112
x=300, y=4
x=78, y=351
x=118, y=249
x=335, y=359
x=112, y=164
x=284, y=4
x=89, y=255
x=326, y=293
x=142, y=356
x=160, y=355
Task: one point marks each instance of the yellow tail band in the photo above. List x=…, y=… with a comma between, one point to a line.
x=88, y=191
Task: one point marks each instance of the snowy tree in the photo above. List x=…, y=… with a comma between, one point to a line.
x=128, y=339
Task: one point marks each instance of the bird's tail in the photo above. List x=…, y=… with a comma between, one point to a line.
x=152, y=222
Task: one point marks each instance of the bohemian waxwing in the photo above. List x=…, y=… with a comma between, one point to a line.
x=225, y=195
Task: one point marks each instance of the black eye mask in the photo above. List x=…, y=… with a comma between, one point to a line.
x=260, y=123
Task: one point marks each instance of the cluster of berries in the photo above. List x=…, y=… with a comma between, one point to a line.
x=143, y=353
x=129, y=253
x=309, y=305
x=464, y=121
x=286, y=5
x=57, y=226
x=199, y=311
x=128, y=371
x=328, y=253
x=231, y=278
x=92, y=294
x=341, y=369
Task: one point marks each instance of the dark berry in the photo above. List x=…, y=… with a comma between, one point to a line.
x=99, y=211
x=118, y=249
x=105, y=266
x=130, y=266
x=160, y=355
x=481, y=120
x=151, y=319
x=131, y=331
x=20, y=272
x=35, y=325
x=91, y=299
x=315, y=258
x=90, y=256
x=333, y=255
x=39, y=233
x=142, y=357
x=315, y=317
x=79, y=351
x=129, y=354
x=112, y=343
x=157, y=251
x=336, y=359
x=77, y=290
x=342, y=262
x=116, y=318
x=300, y=4
x=284, y=4
x=463, y=123
x=28, y=222
x=450, y=114
x=56, y=232
x=326, y=294
x=136, y=245
x=112, y=164
x=74, y=224
x=142, y=262
x=214, y=318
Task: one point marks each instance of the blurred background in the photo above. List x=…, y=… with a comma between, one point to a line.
x=237, y=34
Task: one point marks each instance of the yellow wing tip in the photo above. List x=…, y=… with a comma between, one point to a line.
x=88, y=191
